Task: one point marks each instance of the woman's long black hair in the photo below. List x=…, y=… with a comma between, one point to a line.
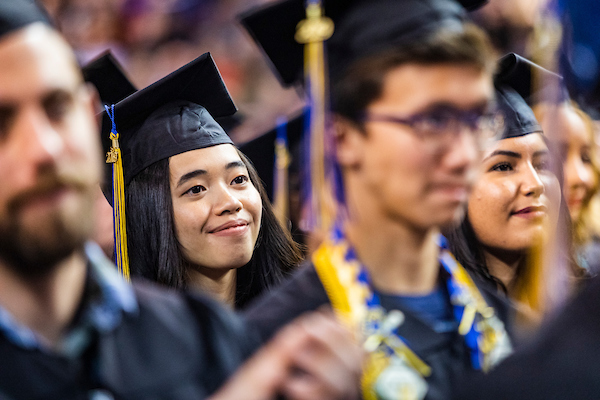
x=154, y=252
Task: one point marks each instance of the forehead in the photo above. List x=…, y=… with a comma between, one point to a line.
x=524, y=145
x=35, y=59
x=571, y=126
x=413, y=87
x=209, y=158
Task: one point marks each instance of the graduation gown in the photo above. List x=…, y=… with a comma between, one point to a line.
x=563, y=362
x=445, y=353
x=176, y=347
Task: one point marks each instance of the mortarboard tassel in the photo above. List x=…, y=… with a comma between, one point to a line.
x=544, y=282
x=311, y=32
x=282, y=162
x=114, y=157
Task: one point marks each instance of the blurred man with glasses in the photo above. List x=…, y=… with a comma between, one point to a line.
x=412, y=99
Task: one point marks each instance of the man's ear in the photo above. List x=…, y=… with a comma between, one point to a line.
x=350, y=142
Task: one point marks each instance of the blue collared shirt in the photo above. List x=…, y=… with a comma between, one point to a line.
x=106, y=299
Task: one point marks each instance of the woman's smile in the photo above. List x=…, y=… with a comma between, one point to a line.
x=231, y=228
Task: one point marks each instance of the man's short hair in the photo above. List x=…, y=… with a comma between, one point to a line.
x=362, y=83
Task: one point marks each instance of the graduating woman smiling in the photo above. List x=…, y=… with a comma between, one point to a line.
x=197, y=214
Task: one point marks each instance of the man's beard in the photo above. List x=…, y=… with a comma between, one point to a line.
x=33, y=247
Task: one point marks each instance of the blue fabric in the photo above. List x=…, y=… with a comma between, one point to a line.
x=434, y=308
x=107, y=298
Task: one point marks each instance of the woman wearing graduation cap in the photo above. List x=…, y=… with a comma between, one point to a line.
x=515, y=209
x=197, y=214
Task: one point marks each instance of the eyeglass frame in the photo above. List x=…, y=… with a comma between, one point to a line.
x=495, y=117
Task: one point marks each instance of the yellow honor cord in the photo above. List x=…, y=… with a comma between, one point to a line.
x=347, y=298
x=114, y=157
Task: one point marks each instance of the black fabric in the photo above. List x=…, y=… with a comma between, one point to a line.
x=106, y=74
x=171, y=116
x=519, y=84
x=261, y=151
x=16, y=14
x=361, y=28
x=445, y=353
x=562, y=363
x=520, y=73
x=177, y=347
x=519, y=119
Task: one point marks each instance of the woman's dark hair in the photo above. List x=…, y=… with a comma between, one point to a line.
x=155, y=254
x=467, y=250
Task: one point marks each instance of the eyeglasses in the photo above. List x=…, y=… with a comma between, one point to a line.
x=441, y=125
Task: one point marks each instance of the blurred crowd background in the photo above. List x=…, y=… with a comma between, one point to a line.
x=151, y=38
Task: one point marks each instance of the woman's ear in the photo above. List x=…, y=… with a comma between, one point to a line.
x=349, y=141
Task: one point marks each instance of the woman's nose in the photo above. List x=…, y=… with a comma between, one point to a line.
x=227, y=202
x=532, y=183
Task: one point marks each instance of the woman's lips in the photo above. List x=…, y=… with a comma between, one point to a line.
x=574, y=202
x=533, y=212
x=233, y=228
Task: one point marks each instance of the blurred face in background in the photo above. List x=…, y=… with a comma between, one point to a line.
x=418, y=174
x=49, y=150
x=573, y=132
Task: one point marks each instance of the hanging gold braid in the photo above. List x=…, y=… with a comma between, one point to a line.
x=311, y=32
x=118, y=185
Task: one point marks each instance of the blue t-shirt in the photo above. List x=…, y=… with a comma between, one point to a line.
x=434, y=308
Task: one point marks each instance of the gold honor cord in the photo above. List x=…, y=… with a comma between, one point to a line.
x=348, y=296
x=311, y=32
x=118, y=185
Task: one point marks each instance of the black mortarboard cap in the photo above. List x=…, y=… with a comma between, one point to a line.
x=515, y=93
x=362, y=27
x=261, y=151
x=16, y=14
x=106, y=74
x=171, y=116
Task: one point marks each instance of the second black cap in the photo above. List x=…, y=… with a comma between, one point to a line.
x=171, y=116
x=362, y=27
x=515, y=92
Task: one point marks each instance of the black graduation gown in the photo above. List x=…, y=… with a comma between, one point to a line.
x=445, y=353
x=176, y=347
x=563, y=362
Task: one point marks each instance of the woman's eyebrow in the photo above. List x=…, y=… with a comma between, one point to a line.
x=190, y=175
x=199, y=172
x=504, y=153
x=235, y=164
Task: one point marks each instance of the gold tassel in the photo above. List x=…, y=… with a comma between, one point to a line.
x=312, y=32
x=114, y=157
x=282, y=162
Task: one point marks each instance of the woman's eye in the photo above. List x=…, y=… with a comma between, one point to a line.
x=502, y=167
x=195, y=190
x=238, y=180
x=585, y=158
x=543, y=165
